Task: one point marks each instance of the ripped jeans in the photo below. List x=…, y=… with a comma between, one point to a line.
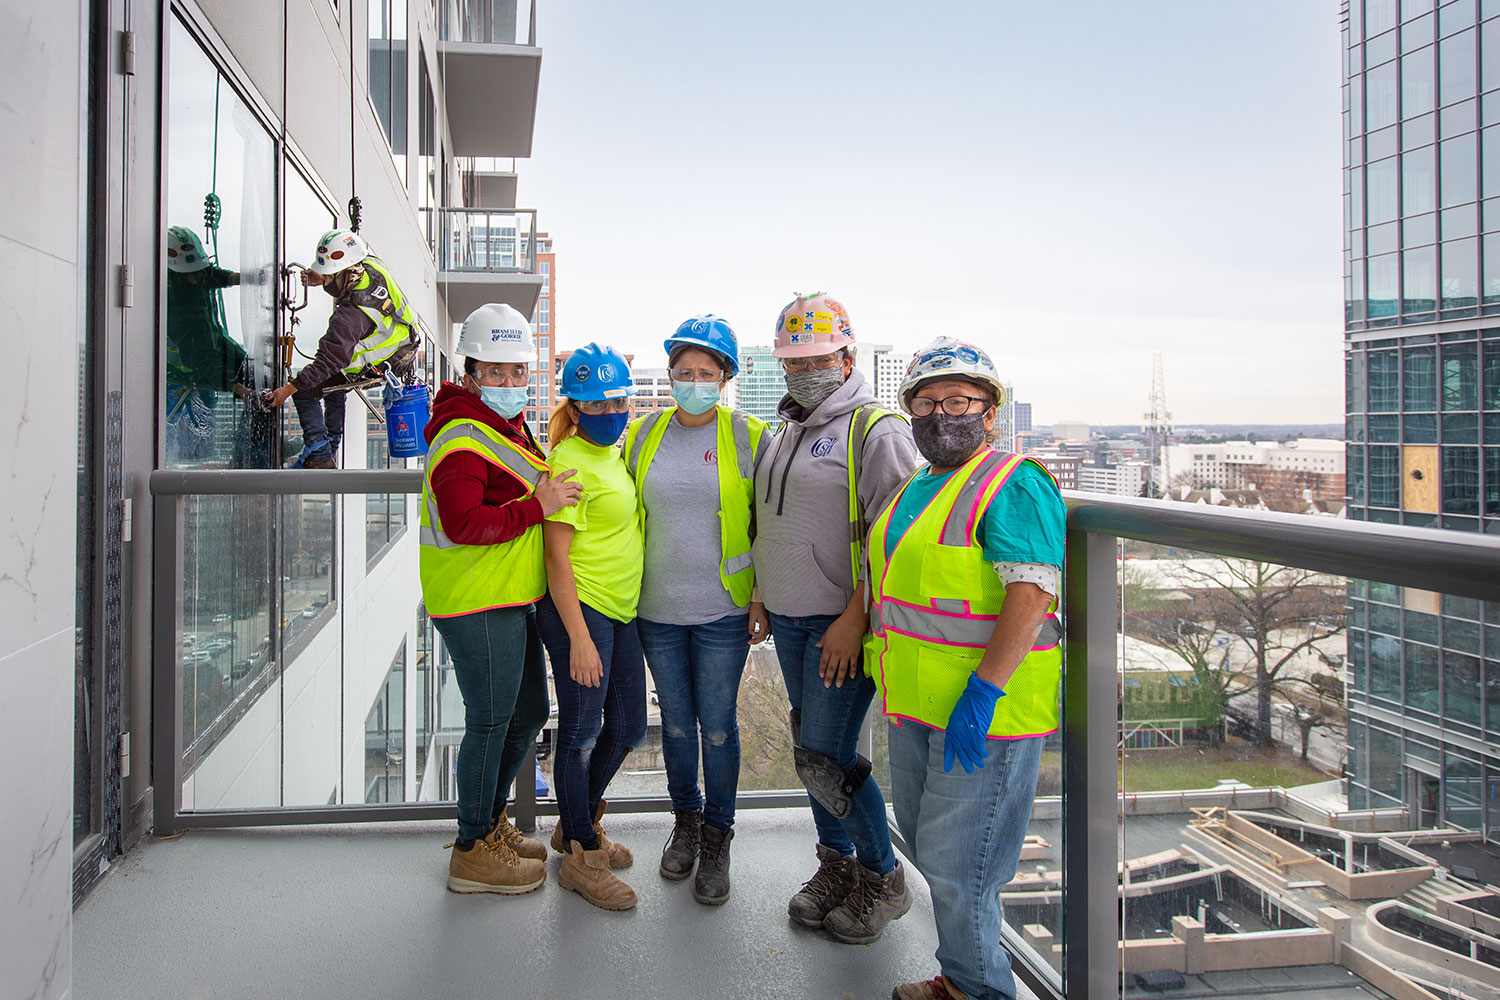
x=596, y=726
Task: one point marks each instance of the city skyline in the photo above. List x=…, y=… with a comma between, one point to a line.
x=1171, y=195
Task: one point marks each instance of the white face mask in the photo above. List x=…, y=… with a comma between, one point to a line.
x=505, y=400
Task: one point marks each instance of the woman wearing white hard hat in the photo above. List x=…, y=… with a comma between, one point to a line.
x=694, y=470
x=485, y=494
x=964, y=569
x=837, y=456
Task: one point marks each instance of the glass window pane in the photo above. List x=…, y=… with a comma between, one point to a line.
x=1419, y=181
x=1460, y=222
x=1492, y=490
x=1380, y=16
x=1460, y=792
x=1419, y=230
x=1456, y=73
x=1418, y=131
x=1421, y=677
x=1419, y=428
x=1385, y=476
x=1380, y=97
x=218, y=329
x=1415, y=34
x=1457, y=119
x=1455, y=16
x=1419, y=378
x=1384, y=281
x=1460, y=376
x=1355, y=465
x=1382, y=49
x=1460, y=274
x=1413, y=8
x=1460, y=480
x=1492, y=376
x=1417, y=90
x=1384, y=388
x=1489, y=40
x=1458, y=173
x=1420, y=289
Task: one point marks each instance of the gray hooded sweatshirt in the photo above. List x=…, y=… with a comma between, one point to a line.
x=801, y=548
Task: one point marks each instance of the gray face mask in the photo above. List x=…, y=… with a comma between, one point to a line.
x=812, y=388
x=946, y=440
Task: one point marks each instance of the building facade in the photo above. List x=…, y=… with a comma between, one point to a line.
x=761, y=384
x=544, y=328
x=1023, y=418
x=1120, y=478
x=1422, y=388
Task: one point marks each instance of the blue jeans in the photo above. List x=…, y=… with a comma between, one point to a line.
x=596, y=726
x=964, y=833
x=697, y=669
x=831, y=720
x=322, y=419
x=497, y=661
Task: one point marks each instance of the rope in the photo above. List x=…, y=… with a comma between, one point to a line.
x=354, y=204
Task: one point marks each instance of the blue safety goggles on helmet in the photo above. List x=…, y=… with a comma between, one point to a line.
x=593, y=372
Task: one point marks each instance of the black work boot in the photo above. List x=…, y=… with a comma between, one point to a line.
x=875, y=901
x=711, y=887
x=827, y=888
x=681, y=852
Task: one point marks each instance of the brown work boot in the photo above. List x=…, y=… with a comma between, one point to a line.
x=874, y=901
x=588, y=874
x=320, y=463
x=619, y=854
x=941, y=988
x=826, y=889
x=491, y=866
x=505, y=832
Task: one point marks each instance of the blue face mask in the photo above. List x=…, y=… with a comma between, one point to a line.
x=604, y=429
x=696, y=397
x=505, y=400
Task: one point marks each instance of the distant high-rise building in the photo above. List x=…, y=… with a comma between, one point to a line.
x=1125, y=479
x=761, y=384
x=544, y=328
x=1023, y=418
x=1422, y=388
x=887, y=368
x=1005, y=421
x=1070, y=430
x=653, y=390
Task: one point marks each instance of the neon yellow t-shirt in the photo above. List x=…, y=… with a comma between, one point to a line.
x=607, y=552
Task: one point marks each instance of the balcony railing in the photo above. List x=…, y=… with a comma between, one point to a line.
x=485, y=240
x=490, y=22
x=1167, y=832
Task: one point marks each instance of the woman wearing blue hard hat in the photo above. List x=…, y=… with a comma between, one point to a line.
x=587, y=620
x=694, y=468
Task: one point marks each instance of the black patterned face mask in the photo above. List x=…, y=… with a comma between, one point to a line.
x=946, y=440
x=811, y=389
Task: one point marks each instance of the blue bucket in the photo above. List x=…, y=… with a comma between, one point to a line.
x=406, y=421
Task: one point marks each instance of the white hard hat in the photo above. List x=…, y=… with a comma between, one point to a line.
x=496, y=332
x=185, y=250
x=949, y=358
x=338, y=249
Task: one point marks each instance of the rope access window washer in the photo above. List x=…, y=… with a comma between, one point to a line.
x=371, y=338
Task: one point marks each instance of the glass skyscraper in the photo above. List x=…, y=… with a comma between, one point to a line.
x=1422, y=392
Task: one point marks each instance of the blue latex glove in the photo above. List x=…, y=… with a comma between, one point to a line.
x=969, y=723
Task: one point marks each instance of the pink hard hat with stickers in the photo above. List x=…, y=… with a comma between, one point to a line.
x=811, y=325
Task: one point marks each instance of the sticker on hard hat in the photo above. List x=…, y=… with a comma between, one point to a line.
x=802, y=338
x=700, y=326
x=582, y=374
x=350, y=241
x=793, y=324
x=613, y=393
x=505, y=334
x=942, y=362
x=822, y=446
x=823, y=328
x=823, y=317
x=968, y=355
x=606, y=372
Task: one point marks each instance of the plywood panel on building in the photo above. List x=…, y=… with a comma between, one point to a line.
x=1419, y=478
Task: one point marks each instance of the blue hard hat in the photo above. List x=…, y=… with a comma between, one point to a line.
x=710, y=332
x=593, y=372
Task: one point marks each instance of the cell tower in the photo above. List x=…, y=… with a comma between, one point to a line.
x=1158, y=427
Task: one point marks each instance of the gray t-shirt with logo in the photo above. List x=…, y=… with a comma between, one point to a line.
x=681, y=584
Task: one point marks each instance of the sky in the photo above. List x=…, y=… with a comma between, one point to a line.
x=1073, y=185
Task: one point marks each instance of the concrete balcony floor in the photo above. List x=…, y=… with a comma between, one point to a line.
x=362, y=912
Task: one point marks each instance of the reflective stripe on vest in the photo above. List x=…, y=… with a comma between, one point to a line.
x=933, y=616
x=861, y=421
x=737, y=430
x=461, y=579
x=377, y=296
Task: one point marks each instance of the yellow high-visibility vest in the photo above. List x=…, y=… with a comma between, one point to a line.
x=462, y=579
x=934, y=603
x=377, y=295
x=738, y=435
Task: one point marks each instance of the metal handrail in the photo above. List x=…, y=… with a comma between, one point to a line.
x=282, y=482
x=455, y=258
x=1448, y=562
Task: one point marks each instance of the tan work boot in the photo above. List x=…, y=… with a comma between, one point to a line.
x=619, y=854
x=940, y=988
x=506, y=833
x=874, y=901
x=588, y=874
x=491, y=866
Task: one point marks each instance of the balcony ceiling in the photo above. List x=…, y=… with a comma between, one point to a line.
x=491, y=96
x=466, y=291
x=495, y=189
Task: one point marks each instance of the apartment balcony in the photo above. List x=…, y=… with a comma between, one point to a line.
x=491, y=67
x=1186, y=835
x=485, y=255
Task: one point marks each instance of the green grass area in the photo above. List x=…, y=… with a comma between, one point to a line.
x=1175, y=770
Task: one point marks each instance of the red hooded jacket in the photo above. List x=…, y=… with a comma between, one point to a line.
x=479, y=504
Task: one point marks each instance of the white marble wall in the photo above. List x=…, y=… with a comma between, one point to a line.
x=40, y=65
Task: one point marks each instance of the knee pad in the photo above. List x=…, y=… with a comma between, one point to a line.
x=830, y=785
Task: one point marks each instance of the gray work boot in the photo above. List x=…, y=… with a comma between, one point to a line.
x=711, y=887
x=681, y=852
x=875, y=901
x=827, y=888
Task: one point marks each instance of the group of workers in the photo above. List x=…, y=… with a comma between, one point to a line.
x=892, y=559
x=897, y=559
